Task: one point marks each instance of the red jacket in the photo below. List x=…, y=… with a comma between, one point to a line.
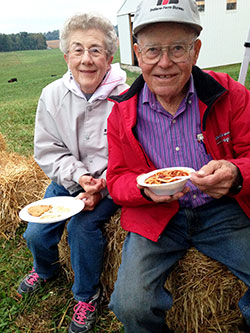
x=225, y=120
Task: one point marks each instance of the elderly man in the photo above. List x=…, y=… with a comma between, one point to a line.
x=175, y=114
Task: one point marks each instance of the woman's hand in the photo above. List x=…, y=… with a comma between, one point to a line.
x=90, y=200
x=92, y=185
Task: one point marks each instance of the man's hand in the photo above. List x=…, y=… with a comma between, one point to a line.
x=215, y=178
x=92, y=185
x=163, y=198
x=91, y=200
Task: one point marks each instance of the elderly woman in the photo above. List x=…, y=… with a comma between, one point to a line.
x=70, y=145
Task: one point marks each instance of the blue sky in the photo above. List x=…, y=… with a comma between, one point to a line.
x=48, y=15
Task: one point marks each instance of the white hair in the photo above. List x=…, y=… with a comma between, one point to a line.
x=89, y=21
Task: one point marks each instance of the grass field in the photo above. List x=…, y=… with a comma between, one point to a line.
x=46, y=311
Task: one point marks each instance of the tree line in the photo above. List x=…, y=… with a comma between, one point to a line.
x=22, y=41
x=52, y=35
x=28, y=41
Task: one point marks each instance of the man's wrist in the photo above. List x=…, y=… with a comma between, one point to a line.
x=237, y=184
x=144, y=195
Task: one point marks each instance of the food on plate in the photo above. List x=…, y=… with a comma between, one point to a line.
x=62, y=209
x=166, y=176
x=38, y=210
x=49, y=216
x=56, y=212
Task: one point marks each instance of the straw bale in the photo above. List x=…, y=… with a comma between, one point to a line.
x=205, y=293
x=2, y=143
x=21, y=182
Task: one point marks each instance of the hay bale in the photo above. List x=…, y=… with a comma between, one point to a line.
x=21, y=182
x=2, y=143
x=205, y=293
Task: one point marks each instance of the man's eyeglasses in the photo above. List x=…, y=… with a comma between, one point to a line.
x=176, y=52
x=94, y=52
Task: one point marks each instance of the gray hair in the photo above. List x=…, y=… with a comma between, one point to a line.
x=85, y=22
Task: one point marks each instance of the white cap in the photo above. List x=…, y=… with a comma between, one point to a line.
x=156, y=11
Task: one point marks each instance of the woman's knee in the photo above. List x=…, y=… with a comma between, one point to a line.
x=33, y=235
x=83, y=223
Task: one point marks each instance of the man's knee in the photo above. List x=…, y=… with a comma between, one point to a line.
x=128, y=303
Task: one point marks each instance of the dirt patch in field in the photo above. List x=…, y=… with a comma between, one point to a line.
x=52, y=44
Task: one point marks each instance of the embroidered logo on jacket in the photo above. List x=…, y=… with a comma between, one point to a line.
x=223, y=137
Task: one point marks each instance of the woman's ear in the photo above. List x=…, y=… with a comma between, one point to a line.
x=110, y=60
x=65, y=57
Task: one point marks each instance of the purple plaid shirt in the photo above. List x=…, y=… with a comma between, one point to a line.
x=173, y=140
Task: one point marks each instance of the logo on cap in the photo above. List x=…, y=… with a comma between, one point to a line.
x=166, y=2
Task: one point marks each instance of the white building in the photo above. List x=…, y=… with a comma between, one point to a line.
x=225, y=30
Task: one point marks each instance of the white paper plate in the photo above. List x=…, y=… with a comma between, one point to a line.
x=63, y=208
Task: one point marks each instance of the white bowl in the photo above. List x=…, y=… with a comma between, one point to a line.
x=166, y=188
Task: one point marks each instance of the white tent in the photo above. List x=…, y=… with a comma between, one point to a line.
x=246, y=60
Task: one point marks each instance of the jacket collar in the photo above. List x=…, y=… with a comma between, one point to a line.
x=207, y=88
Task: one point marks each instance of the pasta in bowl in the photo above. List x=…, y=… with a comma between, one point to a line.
x=166, y=181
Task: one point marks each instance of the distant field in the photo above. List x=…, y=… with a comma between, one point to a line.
x=33, y=71
x=53, y=44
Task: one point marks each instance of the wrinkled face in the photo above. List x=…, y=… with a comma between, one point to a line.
x=166, y=78
x=88, y=67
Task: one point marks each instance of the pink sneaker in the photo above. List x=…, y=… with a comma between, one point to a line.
x=85, y=314
x=30, y=283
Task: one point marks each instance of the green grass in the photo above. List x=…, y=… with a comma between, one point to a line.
x=46, y=311
x=18, y=100
x=233, y=71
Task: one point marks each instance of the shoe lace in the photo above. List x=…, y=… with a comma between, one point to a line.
x=33, y=277
x=80, y=310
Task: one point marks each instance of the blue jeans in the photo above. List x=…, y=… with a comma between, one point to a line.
x=85, y=239
x=219, y=229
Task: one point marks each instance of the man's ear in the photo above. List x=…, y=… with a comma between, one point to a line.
x=197, y=47
x=136, y=49
x=137, y=53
